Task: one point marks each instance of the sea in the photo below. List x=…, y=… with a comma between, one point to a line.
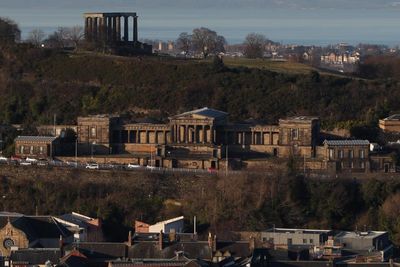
x=165, y=22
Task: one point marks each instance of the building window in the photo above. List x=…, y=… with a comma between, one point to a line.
x=295, y=134
x=311, y=241
x=341, y=154
x=41, y=150
x=362, y=154
x=93, y=132
x=362, y=165
x=31, y=150
x=289, y=241
x=304, y=241
x=331, y=153
x=21, y=149
x=351, y=154
x=351, y=165
x=271, y=240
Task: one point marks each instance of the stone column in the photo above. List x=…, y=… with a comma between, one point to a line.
x=271, y=139
x=135, y=29
x=186, y=133
x=252, y=138
x=94, y=28
x=109, y=29
x=244, y=138
x=126, y=29
x=262, y=138
x=211, y=134
x=87, y=29
x=118, y=28
x=102, y=32
x=114, y=29
x=156, y=137
x=137, y=136
x=179, y=133
x=203, y=132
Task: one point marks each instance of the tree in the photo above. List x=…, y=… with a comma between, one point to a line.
x=184, y=42
x=207, y=41
x=36, y=37
x=59, y=39
x=255, y=45
x=75, y=34
x=9, y=31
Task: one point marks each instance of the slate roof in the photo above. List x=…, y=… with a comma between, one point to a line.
x=393, y=117
x=346, y=142
x=101, y=250
x=44, y=139
x=206, y=112
x=35, y=256
x=37, y=227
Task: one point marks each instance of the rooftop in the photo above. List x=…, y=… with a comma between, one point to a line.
x=292, y=231
x=46, y=139
x=360, y=235
x=395, y=117
x=206, y=112
x=346, y=142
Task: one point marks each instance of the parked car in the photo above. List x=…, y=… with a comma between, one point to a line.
x=72, y=163
x=25, y=163
x=3, y=159
x=42, y=163
x=133, y=166
x=32, y=160
x=150, y=167
x=92, y=166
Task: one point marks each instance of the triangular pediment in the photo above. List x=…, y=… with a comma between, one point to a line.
x=202, y=113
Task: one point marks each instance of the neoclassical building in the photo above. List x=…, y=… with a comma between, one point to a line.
x=205, y=138
x=197, y=139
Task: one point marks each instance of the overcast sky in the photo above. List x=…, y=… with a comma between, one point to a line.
x=299, y=4
x=288, y=21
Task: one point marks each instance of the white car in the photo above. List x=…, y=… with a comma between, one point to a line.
x=32, y=160
x=92, y=166
x=133, y=166
x=150, y=167
x=3, y=159
x=25, y=163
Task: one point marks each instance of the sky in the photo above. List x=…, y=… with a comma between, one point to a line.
x=318, y=22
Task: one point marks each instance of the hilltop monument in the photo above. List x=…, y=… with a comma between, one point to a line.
x=118, y=31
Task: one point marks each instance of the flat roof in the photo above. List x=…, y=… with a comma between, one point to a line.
x=302, y=231
x=360, y=235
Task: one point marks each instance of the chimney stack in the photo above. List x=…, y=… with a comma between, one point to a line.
x=129, y=243
x=160, y=240
x=172, y=235
x=61, y=246
x=214, y=244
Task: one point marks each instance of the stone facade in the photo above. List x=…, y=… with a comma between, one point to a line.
x=36, y=146
x=198, y=139
x=12, y=237
x=390, y=124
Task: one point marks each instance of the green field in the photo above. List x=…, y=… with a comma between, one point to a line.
x=277, y=66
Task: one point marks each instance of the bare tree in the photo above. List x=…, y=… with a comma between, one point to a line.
x=184, y=42
x=59, y=39
x=75, y=34
x=207, y=41
x=36, y=37
x=255, y=45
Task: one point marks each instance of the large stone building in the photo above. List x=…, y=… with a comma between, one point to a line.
x=200, y=138
x=205, y=139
